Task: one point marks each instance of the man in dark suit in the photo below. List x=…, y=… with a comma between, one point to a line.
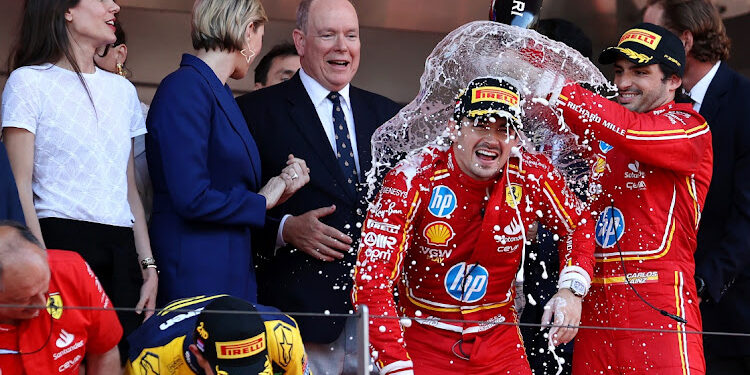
x=723, y=254
x=320, y=117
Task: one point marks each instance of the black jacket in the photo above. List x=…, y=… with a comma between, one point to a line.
x=10, y=206
x=723, y=254
x=283, y=121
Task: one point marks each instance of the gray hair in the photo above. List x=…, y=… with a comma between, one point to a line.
x=303, y=13
x=221, y=24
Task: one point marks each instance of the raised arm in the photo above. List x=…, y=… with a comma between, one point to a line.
x=646, y=137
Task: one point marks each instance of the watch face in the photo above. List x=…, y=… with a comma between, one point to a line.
x=578, y=288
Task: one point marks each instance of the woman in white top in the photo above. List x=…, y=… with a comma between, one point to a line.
x=68, y=127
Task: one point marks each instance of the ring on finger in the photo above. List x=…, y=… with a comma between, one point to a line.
x=294, y=176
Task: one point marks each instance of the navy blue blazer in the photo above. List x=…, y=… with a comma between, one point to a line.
x=723, y=253
x=10, y=206
x=283, y=121
x=205, y=170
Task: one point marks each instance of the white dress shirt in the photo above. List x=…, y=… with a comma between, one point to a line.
x=698, y=93
x=319, y=96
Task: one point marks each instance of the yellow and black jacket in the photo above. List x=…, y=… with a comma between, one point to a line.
x=160, y=345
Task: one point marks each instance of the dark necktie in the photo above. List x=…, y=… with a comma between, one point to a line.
x=344, y=151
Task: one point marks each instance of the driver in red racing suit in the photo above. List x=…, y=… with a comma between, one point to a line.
x=449, y=227
x=654, y=168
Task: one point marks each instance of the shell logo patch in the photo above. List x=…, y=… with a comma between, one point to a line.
x=513, y=194
x=55, y=305
x=645, y=37
x=494, y=94
x=438, y=233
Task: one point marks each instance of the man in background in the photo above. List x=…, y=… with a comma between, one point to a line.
x=319, y=116
x=723, y=254
x=278, y=65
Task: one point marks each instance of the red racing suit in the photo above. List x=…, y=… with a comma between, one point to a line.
x=454, y=245
x=58, y=339
x=654, y=169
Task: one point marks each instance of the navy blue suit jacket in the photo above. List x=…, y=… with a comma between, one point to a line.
x=10, y=206
x=283, y=121
x=205, y=170
x=723, y=253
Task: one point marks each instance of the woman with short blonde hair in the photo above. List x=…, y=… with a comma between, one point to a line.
x=204, y=163
x=221, y=24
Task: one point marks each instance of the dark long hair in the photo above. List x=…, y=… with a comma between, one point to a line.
x=44, y=37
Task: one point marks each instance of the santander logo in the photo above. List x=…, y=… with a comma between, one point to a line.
x=65, y=339
x=634, y=166
x=513, y=228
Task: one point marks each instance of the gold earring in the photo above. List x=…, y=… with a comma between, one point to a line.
x=248, y=53
x=121, y=70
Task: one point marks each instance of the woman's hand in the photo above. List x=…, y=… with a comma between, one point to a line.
x=148, y=293
x=272, y=191
x=296, y=175
x=279, y=188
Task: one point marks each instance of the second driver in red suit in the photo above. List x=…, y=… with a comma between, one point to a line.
x=448, y=229
x=654, y=163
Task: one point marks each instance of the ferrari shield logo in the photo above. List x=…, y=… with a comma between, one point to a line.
x=55, y=305
x=513, y=195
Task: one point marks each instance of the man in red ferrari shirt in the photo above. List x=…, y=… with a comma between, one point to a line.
x=449, y=227
x=654, y=163
x=54, y=340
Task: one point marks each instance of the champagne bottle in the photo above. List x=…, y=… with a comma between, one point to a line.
x=521, y=13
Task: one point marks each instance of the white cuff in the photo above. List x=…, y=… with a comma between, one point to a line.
x=279, y=238
x=576, y=269
x=567, y=278
x=398, y=368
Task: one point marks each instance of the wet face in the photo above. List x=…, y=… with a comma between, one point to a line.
x=92, y=22
x=329, y=48
x=25, y=282
x=282, y=69
x=483, y=147
x=643, y=88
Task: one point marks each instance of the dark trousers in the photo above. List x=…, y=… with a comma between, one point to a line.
x=110, y=252
x=716, y=365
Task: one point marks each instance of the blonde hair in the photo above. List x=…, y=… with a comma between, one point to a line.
x=221, y=24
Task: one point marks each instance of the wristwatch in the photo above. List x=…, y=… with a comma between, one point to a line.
x=148, y=263
x=577, y=287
